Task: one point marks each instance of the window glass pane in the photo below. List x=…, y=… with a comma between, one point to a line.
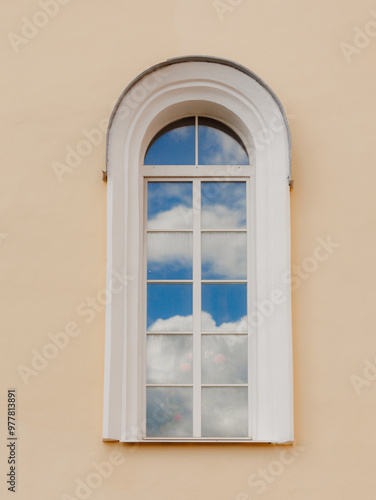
x=219, y=145
x=224, y=359
x=224, y=308
x=169, y=256
x=169, y=205
x=224, y=412
x=223, y=205
x=224, y=255
x=169, y=412
x=169, y=359
x=173, y=145
x=169, y=308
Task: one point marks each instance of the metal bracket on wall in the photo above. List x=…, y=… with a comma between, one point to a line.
x=291, y=184
x=104, y=176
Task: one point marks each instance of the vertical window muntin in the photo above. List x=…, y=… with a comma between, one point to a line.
x=200, y=390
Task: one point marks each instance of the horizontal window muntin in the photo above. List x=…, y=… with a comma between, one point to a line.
x=202, y=333
x=191, y=385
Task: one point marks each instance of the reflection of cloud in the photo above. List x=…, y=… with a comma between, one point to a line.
x=166, y=195
x=174, y=324
x=222, y=149
x=223, y=205
x=170, y=248
x=224, y=359
x=225, y=412
x=221, y=217
x=181, y=132
x=224, y=255
x=169, y=411
x=185, y=323
x=168, y=359
x=178, y=217
x=209, y=325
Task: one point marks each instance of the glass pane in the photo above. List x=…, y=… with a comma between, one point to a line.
x=169, y=411
x=169, y=205
x=169, y=256
x=169, y=359
x=224, y=256
x=219, y=145
x=223, y=205
x=169, y=308
x=173, y=145
x=224, y=359
x=224, y=308
x=225, y=412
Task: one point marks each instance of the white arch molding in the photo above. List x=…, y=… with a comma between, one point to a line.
x=227, y=92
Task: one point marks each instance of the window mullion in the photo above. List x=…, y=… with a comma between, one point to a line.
x=196, y=308
x=196, y=140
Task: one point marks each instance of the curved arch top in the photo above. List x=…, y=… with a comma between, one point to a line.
x=202, y=59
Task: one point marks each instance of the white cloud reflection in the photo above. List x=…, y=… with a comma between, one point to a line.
x=220, y=148
x=221, y=217
x=223, y=254
x=170, y=249
x=178, y=217
x=174, y=324
x=185, y=324
x=169, y=411
x=169, y=359
x=224, y=412
x=182, y=132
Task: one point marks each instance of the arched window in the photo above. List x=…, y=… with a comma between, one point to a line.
x=198, y=341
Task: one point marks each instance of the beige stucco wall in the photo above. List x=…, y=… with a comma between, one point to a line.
x=64, y=79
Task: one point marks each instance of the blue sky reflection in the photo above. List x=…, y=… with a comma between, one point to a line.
x=217, y=147
x=169, y=308
x=224, y=308
x=223, y=205
x=173, y=145
x=169, y=205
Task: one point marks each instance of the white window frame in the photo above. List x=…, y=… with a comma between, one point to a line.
x=228, y=93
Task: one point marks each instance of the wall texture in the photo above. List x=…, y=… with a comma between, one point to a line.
x=64, y=65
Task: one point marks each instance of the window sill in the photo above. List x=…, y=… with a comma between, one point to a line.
x=199, y=440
